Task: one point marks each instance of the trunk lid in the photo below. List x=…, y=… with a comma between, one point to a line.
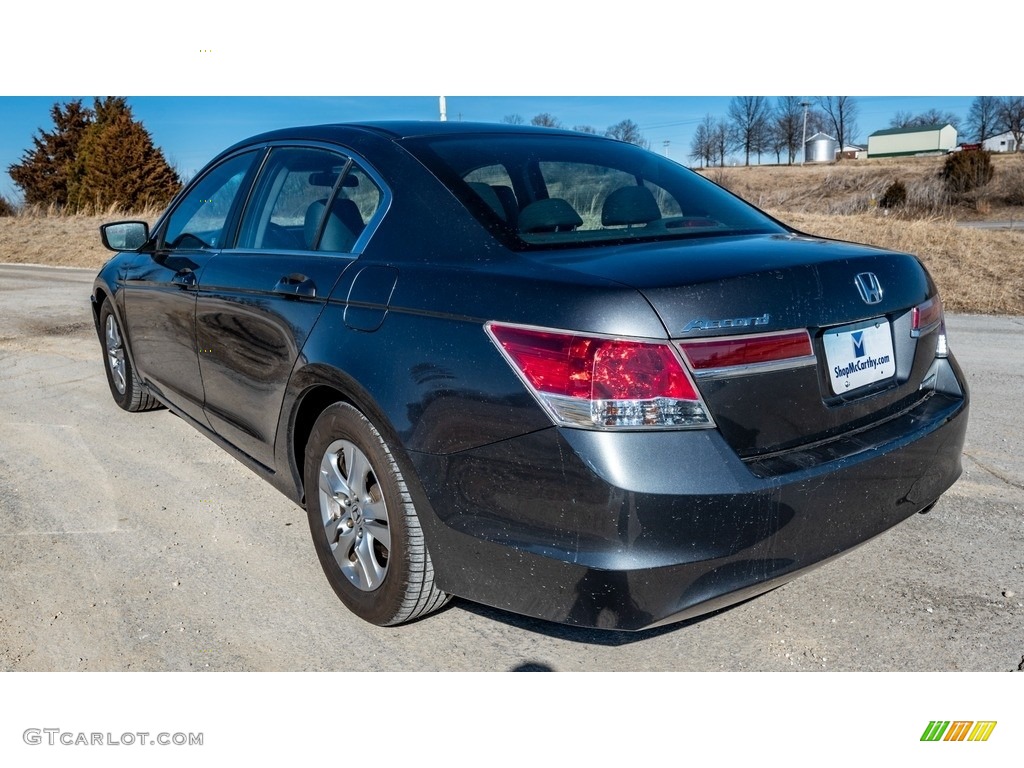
x=741, y=286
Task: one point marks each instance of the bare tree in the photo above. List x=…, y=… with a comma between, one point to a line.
x=817, y=122
x=776, y=143
x=702, y=144
x=928, y=117
x=938, y=117
x=983, y=117
x=787, y=127
x=627, y=130
x=513, y=119
x=720, y=142
x=901, y=119
x=841, y=112
x=749, y=119
x=546, y=120
x=1011, y=118
x=585, y=129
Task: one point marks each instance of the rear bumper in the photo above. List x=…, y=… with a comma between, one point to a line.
x=629, y=530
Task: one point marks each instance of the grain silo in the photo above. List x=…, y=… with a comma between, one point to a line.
x=820, y=148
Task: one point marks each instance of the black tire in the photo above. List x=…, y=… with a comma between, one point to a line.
x=128, y=392
x=364, y=526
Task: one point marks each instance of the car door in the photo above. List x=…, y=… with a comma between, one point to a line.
x=258, y=301
x=160, y=285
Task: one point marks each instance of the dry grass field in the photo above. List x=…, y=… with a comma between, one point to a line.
x=977, y=270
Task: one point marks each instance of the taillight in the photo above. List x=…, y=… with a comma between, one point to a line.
x=599, y=382
x=925, y=318
x=736, y=355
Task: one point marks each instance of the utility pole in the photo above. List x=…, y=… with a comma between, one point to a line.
x=803, y=147
x=665, y=144
x=444, y=111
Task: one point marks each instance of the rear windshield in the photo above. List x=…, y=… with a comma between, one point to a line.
x=537, y=191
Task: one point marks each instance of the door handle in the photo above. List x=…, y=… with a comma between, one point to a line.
x=186, y=278
x=296, y=285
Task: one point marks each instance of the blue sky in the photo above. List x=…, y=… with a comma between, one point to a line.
x=192, y=129
x=664, y=65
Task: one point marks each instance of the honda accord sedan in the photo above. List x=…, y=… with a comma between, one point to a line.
x=549, y=372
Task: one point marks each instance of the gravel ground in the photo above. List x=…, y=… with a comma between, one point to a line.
x=131, y=542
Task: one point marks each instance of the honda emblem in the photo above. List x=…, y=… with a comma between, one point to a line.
x=869, y=287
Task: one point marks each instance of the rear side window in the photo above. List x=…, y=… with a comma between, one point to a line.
x=309, y=199
x=354, y=205
x=290, y=199
x=361, y=190
x=200, y=218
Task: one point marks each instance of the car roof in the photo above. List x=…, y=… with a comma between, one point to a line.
x=400, y=129
x=407, y=128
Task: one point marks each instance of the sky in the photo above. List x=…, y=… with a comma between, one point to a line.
x=192, y=129
x=201, y=76
x=199, y=87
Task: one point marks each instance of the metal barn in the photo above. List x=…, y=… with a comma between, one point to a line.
x=906, y=142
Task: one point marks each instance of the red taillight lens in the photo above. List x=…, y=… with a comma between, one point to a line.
x=635, y=370
x=742, y=351
x=925, y=318
x=593, y=381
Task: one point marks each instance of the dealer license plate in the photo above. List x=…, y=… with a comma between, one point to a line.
x=859, y=355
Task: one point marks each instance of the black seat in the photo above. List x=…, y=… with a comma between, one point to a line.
x=489, y=196
x=508, y=202
x=629, y=205
x=551, y=215
x=343, y=226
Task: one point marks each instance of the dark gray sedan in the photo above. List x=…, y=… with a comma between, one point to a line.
x=545, y=371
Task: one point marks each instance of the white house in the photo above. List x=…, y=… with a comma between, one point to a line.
x=1004, y=142
x=919, y=140
x=853, y=152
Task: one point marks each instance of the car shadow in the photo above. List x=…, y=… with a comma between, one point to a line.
x=585, y=635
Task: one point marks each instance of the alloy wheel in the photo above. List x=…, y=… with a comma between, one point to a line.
x=115, y=353
x=354, y=515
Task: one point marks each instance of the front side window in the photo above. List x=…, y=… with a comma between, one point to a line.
x=200, y=218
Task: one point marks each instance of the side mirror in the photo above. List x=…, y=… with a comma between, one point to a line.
x=124, y=235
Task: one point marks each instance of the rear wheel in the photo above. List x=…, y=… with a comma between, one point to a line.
x=363, y=522
x=125, y=387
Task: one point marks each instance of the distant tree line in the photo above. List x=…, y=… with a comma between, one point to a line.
x=624, y=130
x=754, y=126
x=92, y=159
x=989, y=116
x=992, y=115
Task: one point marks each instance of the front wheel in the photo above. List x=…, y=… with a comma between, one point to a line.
x=125, y=387
x=364, y=526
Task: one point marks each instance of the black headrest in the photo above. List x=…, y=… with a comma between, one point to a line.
x=551, y=215
x=630, y=205
x=489, y=196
